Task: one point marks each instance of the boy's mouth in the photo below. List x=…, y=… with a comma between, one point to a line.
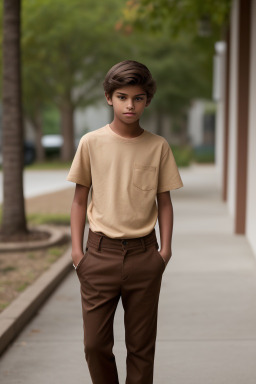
x=129, y=113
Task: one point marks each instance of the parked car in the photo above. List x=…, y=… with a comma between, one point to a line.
x=29, y=152
x=52, y=144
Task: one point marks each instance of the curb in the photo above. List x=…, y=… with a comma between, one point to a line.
x=57, y=235
x=24, y=307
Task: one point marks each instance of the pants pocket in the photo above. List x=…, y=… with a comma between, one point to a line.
x=82, y=260
x=160, y=257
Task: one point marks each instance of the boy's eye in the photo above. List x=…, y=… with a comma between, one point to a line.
x=123, y=97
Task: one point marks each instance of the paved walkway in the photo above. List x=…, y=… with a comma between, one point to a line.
x=38, y=182
x=207, y=312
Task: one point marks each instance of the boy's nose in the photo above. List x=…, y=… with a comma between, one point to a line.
x=130, y=105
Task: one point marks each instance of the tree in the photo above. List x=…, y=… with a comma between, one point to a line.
x=182, y=68
x=192, y=27
x=13, y=221
x=66, y=64
x=194, y=16
x=69, y=57
x=36, y=97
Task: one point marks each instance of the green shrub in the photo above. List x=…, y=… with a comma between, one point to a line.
x=204, y=154
x=183, y=155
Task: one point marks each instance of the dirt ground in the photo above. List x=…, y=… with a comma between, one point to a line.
x=20, y=269
x=51, y=203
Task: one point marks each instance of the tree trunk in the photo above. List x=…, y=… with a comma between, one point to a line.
x=67, y=130
x=14, y=221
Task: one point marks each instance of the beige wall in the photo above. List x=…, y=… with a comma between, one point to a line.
x=251, y=186
x=231, y=185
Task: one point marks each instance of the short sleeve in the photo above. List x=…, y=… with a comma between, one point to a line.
x=80, y=170
x=169, y=177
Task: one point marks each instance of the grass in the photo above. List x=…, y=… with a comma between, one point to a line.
x=31, y=256
x=7, y=269
x=54, y=254
x=56, y=219
x=39, y=218
x=22, y=286
x=48, y=165
x=3, y=305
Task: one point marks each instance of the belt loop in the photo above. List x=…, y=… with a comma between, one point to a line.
x=143, y=244
x=99, y=243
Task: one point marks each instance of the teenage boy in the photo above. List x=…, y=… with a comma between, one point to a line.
x=128, y=169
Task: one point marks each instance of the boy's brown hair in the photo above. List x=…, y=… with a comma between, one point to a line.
x=129, y=72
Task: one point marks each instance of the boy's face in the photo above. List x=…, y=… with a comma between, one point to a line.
x=128, y=103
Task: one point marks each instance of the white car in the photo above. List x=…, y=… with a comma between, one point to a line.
x=52, y=141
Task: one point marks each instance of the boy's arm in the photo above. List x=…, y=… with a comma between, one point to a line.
x=78, y=216
x=165, y=220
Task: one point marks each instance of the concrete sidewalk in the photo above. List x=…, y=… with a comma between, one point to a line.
x=38, y=182
x=207, y=313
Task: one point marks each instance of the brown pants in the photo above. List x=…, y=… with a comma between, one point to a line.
x=132, y=269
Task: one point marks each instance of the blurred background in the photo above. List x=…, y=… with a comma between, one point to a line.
x=67, y=48
x=202, y=55
x=65, y=51
x=53, y=59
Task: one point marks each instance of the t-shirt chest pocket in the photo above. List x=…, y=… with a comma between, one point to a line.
x=144, y=177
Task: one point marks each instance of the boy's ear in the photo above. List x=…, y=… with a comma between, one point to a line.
x=109, y=99
x=148, y=102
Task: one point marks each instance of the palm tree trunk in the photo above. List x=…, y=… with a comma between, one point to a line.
x=14, y=220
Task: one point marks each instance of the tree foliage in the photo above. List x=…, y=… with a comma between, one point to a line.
x=182, y=72
x=67, y=47
x=62, y=46
x=180, y=15
x=186, y=31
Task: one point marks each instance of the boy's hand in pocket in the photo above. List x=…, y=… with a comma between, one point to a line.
x=76, y=258
x=166, y=255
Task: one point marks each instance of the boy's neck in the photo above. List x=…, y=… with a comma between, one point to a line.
x=126, y=130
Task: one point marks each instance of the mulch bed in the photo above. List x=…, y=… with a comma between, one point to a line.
x=20, y=269
x=31, y=235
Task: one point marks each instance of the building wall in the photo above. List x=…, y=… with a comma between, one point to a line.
x=231, y=185
x=251, y=186
x=219, y=138
x=218, y=96
x=195, y=122
x=91, y=118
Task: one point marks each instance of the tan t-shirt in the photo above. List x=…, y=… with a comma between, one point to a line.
x=125, y=175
